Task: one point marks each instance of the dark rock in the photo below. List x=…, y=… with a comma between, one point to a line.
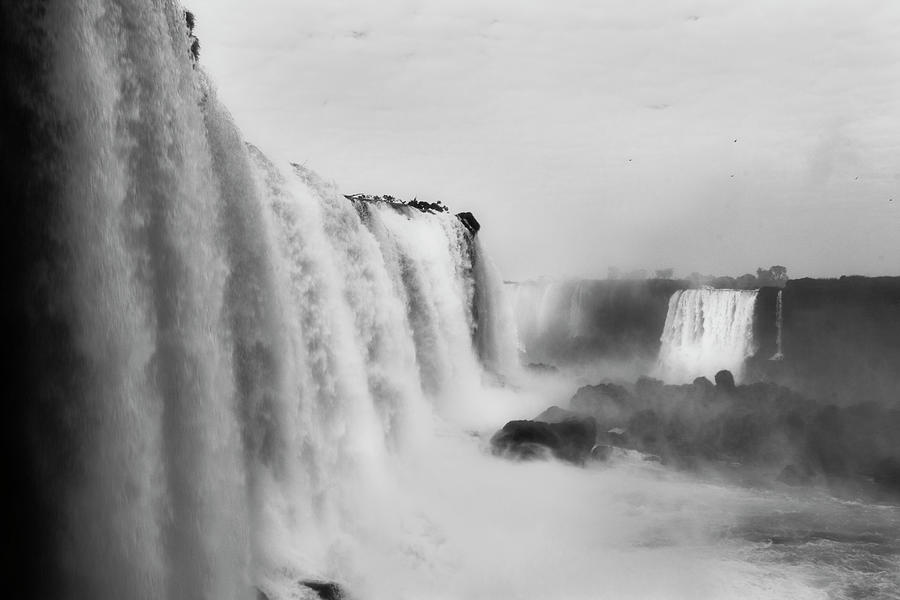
x=645, y=427
x=420, y=205
x=725, y=380
x=541, y=368
x=555, y=414
x=570, y=440
x=648, y=387
x=610, y=404
x=742, y=435
x=469, y=222
x=327, y=590
x=703, y=384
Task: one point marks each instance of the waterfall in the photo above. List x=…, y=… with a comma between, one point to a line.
x=779, y=323
x=237, y=349
x=707, y=330
x=547, y=314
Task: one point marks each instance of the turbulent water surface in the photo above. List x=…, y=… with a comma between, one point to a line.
x=254, y=380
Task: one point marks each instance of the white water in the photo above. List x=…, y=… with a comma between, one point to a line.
x=779, y=324
x=274, y=384
x=707, y=330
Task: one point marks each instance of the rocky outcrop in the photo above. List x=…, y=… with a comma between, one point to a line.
x=326, y=590
x=761, y=426
x=724, y=380
x=569, y=440
x=415, y=203
x=469, y=222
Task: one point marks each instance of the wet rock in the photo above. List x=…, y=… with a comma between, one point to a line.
x=725, y=380
x=555, y=414
x=541, y=368
x=703, y=387
x=469, y=222
x=327, y=590
x=649, y=388
x=570, y=440
x=645, y=430
x=610, y=404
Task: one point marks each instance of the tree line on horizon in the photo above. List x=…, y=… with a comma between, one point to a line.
x=774, y=276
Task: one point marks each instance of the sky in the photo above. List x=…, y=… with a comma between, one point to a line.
x=709, y=136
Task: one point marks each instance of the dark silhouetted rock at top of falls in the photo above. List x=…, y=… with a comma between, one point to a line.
x=469, y=221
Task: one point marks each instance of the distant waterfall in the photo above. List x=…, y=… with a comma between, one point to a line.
x=548, y=313
x=779, y=324
x=222, y=351
x=707, y=330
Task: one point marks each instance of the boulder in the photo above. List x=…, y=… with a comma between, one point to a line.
x=469, y=222
x=610, y=404
x=725, y=380
x=703, y=387
x=570, y=440
x=648, y=388
x=555, y=414
x=327, y=590
x=645, y=430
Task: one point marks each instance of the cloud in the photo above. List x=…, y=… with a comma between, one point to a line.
x=527, y=113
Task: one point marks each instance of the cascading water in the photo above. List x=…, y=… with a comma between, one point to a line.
x=707, y=330
x=229, y=378
x=779, y=324
x=245, y=345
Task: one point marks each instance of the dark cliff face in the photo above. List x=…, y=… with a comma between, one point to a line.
x=40, y=354
x=618, y=320
x=841, y=339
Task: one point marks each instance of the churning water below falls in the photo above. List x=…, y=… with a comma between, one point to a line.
x=254, y=381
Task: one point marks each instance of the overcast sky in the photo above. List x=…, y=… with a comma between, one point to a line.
x=704, y=136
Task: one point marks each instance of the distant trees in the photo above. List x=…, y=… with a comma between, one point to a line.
x=637, y=274
x=664, y=273
x=774, y=276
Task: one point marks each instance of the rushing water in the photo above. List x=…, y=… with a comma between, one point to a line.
x=779, y=326
x=249, y=380
x=707, y=330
